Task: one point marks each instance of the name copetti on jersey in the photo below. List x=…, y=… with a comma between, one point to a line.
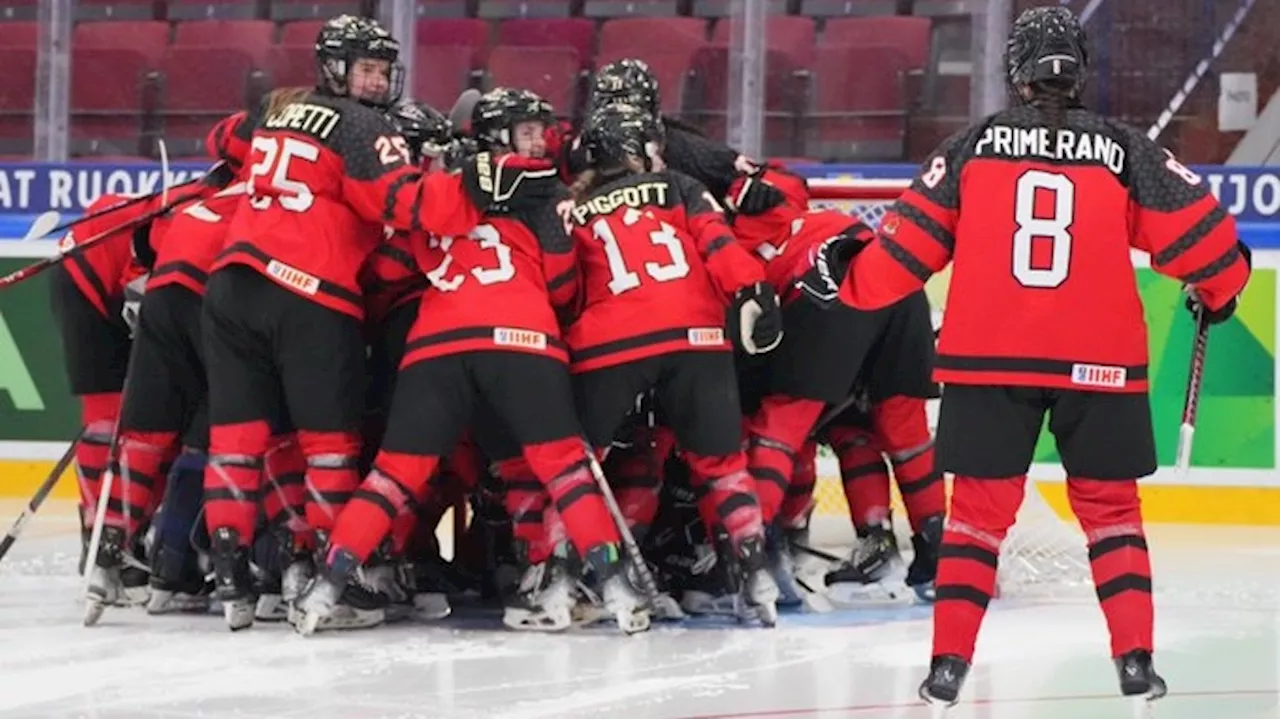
x=641, y=195
x=1063, y=145
x=316, y=120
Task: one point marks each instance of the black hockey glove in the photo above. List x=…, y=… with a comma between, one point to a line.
x=219, y=176
x=1223, y=313
x=756, y=196
x=828, y=264
x=509, y=183
x=759, y=318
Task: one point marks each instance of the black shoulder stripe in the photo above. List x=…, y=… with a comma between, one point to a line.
x=921, y=219
x=1198, y=231
x=906, y=259
x=1214, y=268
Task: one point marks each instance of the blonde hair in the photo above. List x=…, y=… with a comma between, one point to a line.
x=279, y=98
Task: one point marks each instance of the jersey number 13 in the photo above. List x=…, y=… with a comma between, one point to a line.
x=1054, y=227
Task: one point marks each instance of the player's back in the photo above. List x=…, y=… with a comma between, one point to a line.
x=299, y=226
x=1043, y=288
x=188, y=247
x=488, y=291
x=646, y=287
x=103, y=270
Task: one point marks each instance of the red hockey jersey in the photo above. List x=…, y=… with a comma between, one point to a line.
x=102, y=271
x=195, y=235
x=659, y=267
x=327, y=174
x=498, y=288
x=391, y=277
x=1039, y=222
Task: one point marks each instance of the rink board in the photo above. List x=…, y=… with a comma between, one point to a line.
x=1233, y=479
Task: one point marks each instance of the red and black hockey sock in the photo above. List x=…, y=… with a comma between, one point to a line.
x=332, y=474
x=1110, y=514
x=633, y=474
x=233, y=477
x=982, y=510
x=864, y=474
x=776, y=433
x=526, y=500
x=903, y=429
x=396, y=483
x=98, y=413
x=141, y=469
x=284, y=490
x=563, y=467
x=727, y=494
x=799, y=497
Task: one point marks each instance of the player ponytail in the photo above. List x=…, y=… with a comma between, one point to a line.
x=582, y=185
x=280, y=97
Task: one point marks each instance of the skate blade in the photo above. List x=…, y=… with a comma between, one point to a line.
x=815, y=600
x=665, y=608
x=768, y=615
x=271, y=608
x=851, y=595
x=431, y=606
x=939, y=710
x=238, y=615
x=523, y=620
x=1142, y=708
x=165, y=602
x=702, y=604
x=307, y=624
x=632, y=621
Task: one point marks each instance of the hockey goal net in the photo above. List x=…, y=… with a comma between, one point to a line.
x=1045, y=549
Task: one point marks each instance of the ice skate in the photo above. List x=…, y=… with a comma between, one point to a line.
x=873, y=576
x=618, y=591
x=710, y=590
x=758, y=589
x=107, y=585
x=924, y=566
x=941, y=689
x=177, y=584
x=338, y=599
x=1139, y=681
x=388, y=579
x=233, y=581
x=544, y=601
x=433, y=582
x=781, y=565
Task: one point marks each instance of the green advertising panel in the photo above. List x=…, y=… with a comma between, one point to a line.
x=35, y=404
x=1235, y=426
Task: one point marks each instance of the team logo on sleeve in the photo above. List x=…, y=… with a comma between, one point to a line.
x=889, y=227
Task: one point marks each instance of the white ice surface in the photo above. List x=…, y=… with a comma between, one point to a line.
x=1216, y=636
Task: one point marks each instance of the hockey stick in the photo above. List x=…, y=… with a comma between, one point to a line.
x=1191, y=404
x=460, y=113
x=43, y=225
x=47, y=223
x=647, y=583
x=41, y=494
x=36, y=268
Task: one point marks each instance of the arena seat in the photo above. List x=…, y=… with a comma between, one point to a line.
x=148, y=38
x=108, y=99
x=552, y=72
x=300, y=32
x=467, y=32
x=576, y=33
x=200, y=85
x=784, y=94
x=19, y=34
x=909, y=35
x=793, y=35
x=441, y=73
x=858, y=104
x=666, y=44
x=291, y=66
x=17, y=97
x=250, y=36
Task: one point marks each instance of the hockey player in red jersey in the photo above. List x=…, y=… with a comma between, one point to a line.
x=487, y=334
x=816, y=366
x=282, y=312
x=1037, y=207
x=87, y=298
x=659, y=267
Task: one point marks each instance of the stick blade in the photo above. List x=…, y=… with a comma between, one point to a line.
x=460, y=113
x=42, y=225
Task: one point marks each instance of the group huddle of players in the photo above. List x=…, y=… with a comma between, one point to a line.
x=364, y=316
x=621, y=344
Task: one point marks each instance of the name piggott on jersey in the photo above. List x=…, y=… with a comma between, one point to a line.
x=642, y=195
x=1062, y=145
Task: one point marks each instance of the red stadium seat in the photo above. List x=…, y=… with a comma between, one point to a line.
x=201, y=86
x=784, y=92
x=466, y=32
x=17, y=97
x=794, y=36
x=440, y=74
x=114, y=10
x=251, y=36
x=302, y=32
x=577, y=33
x=149, y=38
x=324, y=9
x=552, y=72
x=212, y=9
x=667, y=44
x=859, y=104
x=19, y=34
x=291, y=66
x=909, y=35
x=108, y=100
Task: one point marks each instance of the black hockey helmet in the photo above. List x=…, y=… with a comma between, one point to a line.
x=345, y=39
x=628, y=81
x=428, y=132
x=615, y=135
x=500, y=110
x=1047, y=52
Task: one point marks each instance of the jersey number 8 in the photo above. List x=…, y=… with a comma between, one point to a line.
x=1055, y=228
